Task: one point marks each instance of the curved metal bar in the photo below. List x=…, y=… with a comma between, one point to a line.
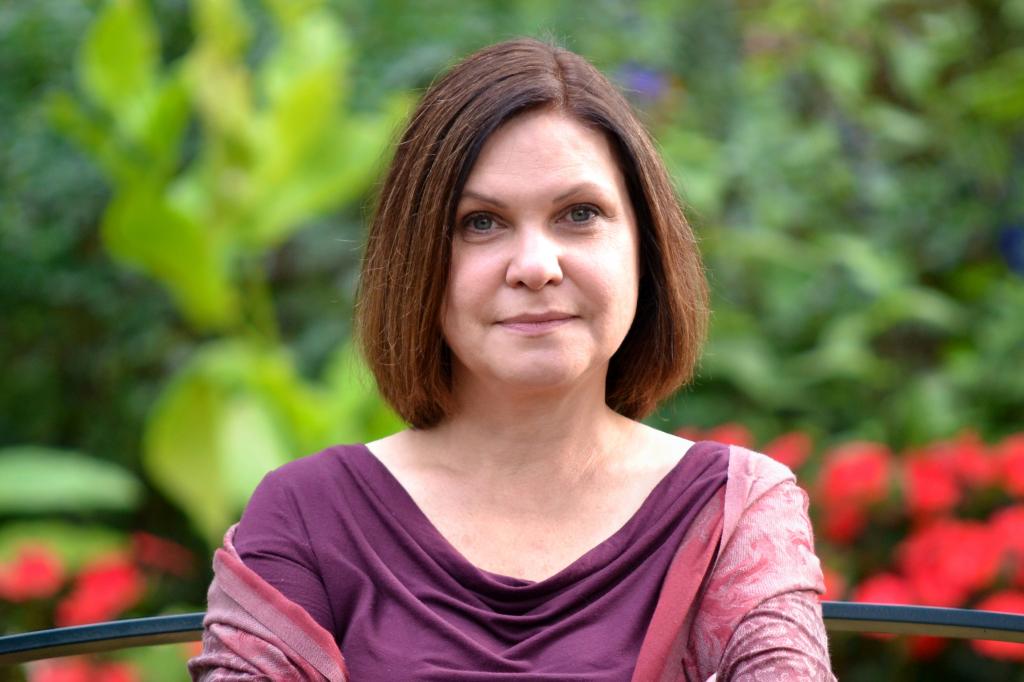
x=923, y=620
x=839, y=617
x=84, y=639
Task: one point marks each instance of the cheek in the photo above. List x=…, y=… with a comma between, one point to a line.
x=465, y=293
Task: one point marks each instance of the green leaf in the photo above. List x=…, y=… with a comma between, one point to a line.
x=161, y=125
x=222, y=25
x=875, y=270
x=250, y=444
x=919, y=304
x=233, y=413
x=898, y=125
x=844, y=69
x=180, y=453
x=843, y=351
x=997, y=91
x=94, y=136
x=36, y=480
x=120, y=55
x=141, y=228
x=361, y=415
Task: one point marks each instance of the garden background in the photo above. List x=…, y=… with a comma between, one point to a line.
x=183, y=188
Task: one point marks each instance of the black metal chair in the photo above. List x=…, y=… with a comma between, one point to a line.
x=839, y=617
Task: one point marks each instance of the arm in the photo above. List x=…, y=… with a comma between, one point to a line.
x=252, y=632
x=268, y=614
x=272, y=540
x=760, y=615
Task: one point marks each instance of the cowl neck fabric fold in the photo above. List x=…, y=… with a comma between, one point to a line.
x=433, y=615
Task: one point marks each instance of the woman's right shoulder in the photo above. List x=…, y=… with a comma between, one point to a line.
x=310, y=473
x=305, y=488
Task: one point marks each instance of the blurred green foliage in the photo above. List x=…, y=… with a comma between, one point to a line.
x=183, y=186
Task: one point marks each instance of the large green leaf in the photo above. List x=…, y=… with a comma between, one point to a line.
x=250, y=444
x=36, y=479
x=181, y=452
x=234, y=412
x=79, y=124
x=360, y=414
x=120, y=55
x=143, y=229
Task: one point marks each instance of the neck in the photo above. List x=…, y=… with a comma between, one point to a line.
x=559, y=436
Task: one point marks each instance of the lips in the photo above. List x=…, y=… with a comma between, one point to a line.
x=531, y=318
x=536, y=323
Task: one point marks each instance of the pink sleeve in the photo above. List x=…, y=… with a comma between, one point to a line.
x=759, y=617
x=252, y=632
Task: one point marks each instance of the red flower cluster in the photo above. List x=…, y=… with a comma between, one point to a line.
x=1010, y=455
x=949, y=560
x=853, y=478
x=1004, y=602
x=103, y=590
x=35, y=573
x=942, y=560
x=937, y=477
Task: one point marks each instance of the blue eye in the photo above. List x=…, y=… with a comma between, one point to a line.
x=480, y=222
x=582, y=214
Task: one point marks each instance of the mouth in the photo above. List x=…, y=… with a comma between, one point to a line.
x=536, y=322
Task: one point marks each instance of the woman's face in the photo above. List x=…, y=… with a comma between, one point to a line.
x=544, y=270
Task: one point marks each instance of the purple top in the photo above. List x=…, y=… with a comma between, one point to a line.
x=337, y=534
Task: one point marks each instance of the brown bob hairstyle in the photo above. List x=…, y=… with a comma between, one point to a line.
x=406, y=265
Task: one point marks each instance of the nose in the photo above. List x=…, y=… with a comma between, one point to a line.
x=535, y=260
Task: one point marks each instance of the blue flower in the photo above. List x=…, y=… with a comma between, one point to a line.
x=641, y=81
x=1011, y=245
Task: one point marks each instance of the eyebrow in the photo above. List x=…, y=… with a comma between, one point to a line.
x=575, y=189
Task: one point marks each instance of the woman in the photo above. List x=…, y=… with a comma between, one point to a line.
x=530, y=290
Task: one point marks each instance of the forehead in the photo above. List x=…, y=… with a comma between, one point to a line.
x=544, y=149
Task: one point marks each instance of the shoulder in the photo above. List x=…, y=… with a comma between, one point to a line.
x=753, y=474
x=302, y=484
x=316, y=469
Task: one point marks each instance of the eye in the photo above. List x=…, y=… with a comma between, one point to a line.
x=582, y=214
x=479, y=222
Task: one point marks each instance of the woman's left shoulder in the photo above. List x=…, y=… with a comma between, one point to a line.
x=757, y=469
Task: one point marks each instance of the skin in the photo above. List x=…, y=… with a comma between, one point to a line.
x=534, y=469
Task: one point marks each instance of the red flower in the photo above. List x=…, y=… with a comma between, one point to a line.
x=888, y=588
x=923, y=647
x=931, y=484
x=163, y=555
x=731, y=434
x=853, y=477
x=949, y=559
x=973, y=463
x=1006, y=602
x=36, y=573
x=884, y=588
x=792, y=449
x=856, y=473
x=1010, y=454
x=102, y=590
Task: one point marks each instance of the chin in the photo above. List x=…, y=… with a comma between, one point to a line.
x=538, y=375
